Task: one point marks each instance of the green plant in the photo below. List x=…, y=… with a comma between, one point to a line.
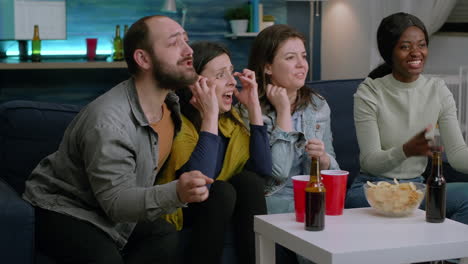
x=241, y=12
x=268, y=18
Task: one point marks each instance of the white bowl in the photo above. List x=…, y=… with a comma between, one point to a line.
x=394, y=199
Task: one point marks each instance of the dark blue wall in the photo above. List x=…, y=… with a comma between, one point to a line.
x=97, y=18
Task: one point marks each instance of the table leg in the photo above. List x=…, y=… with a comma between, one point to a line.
x=265, y=250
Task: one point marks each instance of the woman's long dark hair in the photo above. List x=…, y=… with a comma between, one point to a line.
x=203, y=52
x=389, y=32
x=263, y=52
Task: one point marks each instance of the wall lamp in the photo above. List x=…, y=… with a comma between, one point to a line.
x=318, y=7
x=170, y=6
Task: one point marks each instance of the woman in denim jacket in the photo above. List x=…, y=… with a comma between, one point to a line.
x=297, y=118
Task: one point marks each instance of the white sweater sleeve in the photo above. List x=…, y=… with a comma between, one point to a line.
x=452, y=139
x=373, y=159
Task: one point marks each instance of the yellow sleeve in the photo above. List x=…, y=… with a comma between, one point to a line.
x=182, y=147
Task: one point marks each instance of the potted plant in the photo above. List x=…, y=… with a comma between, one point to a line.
x=268, y=20
x=238, y=17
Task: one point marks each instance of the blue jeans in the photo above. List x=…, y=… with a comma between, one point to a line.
x=457, y=196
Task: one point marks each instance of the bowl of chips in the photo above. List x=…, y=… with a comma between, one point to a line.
x=394, y=199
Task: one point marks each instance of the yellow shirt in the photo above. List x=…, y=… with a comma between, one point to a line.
x=165, y=130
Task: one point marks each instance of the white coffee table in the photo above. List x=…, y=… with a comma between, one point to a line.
x=361, y=236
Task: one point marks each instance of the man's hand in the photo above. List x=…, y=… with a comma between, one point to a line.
x=191, y=187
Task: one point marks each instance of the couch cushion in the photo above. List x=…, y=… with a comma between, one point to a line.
x=29, y=131
x=16, y=227
x=339, y=95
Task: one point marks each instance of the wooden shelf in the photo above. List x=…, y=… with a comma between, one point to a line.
x=62, y=65
x=241, y=35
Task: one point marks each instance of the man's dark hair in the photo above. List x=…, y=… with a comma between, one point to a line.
x=137, y=37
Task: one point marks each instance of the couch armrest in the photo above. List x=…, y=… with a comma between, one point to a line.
x=16, y=227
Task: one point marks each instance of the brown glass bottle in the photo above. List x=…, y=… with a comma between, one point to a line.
x=118, y=45
x=436, y=191
x=315, y=199
x=36, y=45
x=125, y=30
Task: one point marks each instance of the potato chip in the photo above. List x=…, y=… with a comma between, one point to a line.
x=396, y=199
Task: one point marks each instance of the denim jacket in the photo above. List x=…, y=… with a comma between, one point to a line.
x=315, y=124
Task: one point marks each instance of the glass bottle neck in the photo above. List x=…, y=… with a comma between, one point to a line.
x=437, y=157
x=315, y=170
x=437, y=162
x=36, y=32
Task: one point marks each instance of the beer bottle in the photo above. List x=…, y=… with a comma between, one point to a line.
x=125, y=30
x=436, y=191
x=118, y=45
x=36, y=45
x=315, y=199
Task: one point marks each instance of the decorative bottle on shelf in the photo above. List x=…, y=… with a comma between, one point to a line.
x=436, y=191
x=36, y=45
x=125, y=30
x=118, y=45
x=315, y=199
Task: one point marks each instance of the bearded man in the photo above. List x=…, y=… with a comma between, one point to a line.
x=95, y=198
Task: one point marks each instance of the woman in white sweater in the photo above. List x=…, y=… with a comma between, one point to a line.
x=396, y=107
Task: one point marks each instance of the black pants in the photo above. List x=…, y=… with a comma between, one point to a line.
x=70, y=240
x=236, y=202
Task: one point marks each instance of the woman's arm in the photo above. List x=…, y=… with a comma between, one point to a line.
x=284, y=141
x=248, y=96
x=283, y=146
x=454, y=145
x=260, y=154
x=205, y=154
x=328, y=142
x=373, y=159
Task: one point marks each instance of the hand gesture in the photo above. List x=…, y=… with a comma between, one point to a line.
x=418, y=145
x=316, y=149
x=204, y=98
x=278, y=98
x=191, y=187
x=248, y=95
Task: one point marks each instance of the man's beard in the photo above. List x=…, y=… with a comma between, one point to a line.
x=169, y=78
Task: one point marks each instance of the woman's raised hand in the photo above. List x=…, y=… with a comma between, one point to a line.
x=278, y=97
x=204, y=98
x=248, y=96
x=205, y=101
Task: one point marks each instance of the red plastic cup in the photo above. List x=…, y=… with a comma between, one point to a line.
x=91, y=44
x=335, y=183
x=299, y=185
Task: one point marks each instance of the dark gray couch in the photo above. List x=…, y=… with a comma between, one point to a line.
x=31, y=130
